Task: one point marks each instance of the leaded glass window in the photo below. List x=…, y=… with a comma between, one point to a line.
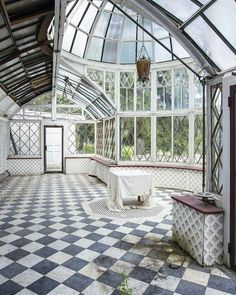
x=164, y=90
x=197, y=93
x=181, y=138
x=109, y=139
x=143, y=96
x=216, y=138
x=96, y=76
x=198, y=139
x=126, y=139
x=110, y=85
x=143, y=138
x=126, y=91
x=105, y=79
x=99, y=138
x=81, y=138
x=181, y=88
x=25, y=138
x=164, y=139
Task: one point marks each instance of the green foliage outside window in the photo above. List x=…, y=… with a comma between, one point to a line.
x=85, y=138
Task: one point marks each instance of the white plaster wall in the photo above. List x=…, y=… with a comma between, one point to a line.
x=4, y=127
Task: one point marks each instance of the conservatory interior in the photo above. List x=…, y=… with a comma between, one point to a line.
x=117, y=147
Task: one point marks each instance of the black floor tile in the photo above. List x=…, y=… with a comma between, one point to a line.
x=187, y=288
x=12, y=270
x=110, y=278
x=43, y=286
x=132, y=258
x=10, y=288
x=44, y=266
x=222, y=284
x=75, y=263
x=143, y=274
x=78, y=282
x=105, y=261
x=45, y=252
x=17, y=254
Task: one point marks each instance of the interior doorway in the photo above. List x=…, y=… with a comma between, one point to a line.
x=53, y=149
x=232, y=104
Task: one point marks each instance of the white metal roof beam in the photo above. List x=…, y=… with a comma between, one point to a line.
x=59, y=20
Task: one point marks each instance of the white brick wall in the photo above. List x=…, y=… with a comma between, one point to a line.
x=3, y=145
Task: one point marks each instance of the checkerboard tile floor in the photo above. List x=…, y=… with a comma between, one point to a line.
x=49, y=245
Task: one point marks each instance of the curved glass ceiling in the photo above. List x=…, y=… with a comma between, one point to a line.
x=80, y=90
x=97, y=31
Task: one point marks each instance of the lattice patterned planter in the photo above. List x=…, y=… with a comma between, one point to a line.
x=199, y=233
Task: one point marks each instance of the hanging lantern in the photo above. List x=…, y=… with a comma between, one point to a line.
x=143, y=62
x=143, y=65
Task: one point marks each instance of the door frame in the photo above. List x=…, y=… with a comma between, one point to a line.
x=62, y=148
x=232, y=104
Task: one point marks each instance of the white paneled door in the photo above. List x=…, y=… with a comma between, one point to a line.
x=53, y=149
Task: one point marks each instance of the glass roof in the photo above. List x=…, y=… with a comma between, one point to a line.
x=209, y=24
x=98, y=31
x=80, y=90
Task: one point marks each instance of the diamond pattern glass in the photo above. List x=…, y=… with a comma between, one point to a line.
x=181, y=88
x=99, y=138
x=126, y=91
x=127, y=139
x=25, y=138
x=181, y=139
x=144, y=96
x=164, y=89
x=198, y=139
x=143, y=138
x=164, y=139
x=109, y=139
x=81, y=138
x=96, y=76
x=216, y=138
x=110, y=85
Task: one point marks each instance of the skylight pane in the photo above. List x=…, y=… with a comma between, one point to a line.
x=88, y=19
x=178, y=49
x=108, y=6
x=68, y=37
x=161, y=54
x=127, y=55
x=129, y=31
x=95, y=49
x=159, y=32
x=221, y=14
x=147, y=25
x=79, y=44
x=79, y=11
x=182, y=9
x=148, y=46
x=98, y=3
x=110, y=51
x=102, y=24
x=211, y=44
x=114, y=27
